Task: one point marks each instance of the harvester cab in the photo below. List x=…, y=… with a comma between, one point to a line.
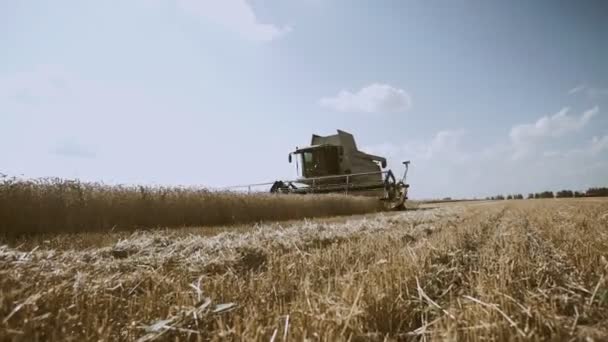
x=319, y=161
x=333, y=164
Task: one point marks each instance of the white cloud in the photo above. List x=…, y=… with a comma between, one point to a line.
x=446, y=141
x=599, y=144
x=72, y=148
x=437, y=164
x=591, y=149
x=526, y=139
x=577, y=89
x=443, y=166
x=371, y=99
x=551, y=126
x=591, y=92
x=445, y=144
x=235, y=15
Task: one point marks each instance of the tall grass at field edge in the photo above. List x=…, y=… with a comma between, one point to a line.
x=58, y=205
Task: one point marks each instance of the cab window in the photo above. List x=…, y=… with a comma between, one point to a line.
x=308, y=157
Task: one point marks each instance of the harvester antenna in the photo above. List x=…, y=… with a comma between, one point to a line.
x=407, y=166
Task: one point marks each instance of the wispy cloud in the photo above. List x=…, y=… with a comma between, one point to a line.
x=591, y=92
x=577, y=89
x=524, y=140
x=73, y=149
x=374, y=98
x=591, y=149
x=599, y=144
x=445, y=145
x=526, y=137
x=444, y=161
x=235, y=15
x=552, y=126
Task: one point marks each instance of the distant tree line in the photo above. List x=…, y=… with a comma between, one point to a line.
x=596, y=192
x=591, y=192
x=501, y=197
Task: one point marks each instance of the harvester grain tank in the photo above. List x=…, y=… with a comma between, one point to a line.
x=333, y=164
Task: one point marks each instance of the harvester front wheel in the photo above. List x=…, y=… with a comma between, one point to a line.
x=279, y=187
x=395, y=195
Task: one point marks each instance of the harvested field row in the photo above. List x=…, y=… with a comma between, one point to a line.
x=509, y=271
x=55, y=205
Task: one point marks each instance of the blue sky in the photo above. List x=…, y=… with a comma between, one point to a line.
x=483, y=97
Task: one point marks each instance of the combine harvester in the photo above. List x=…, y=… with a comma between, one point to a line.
x=333, y=164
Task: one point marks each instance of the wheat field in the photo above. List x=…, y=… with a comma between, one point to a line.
x=501, y=271
x=59, y=205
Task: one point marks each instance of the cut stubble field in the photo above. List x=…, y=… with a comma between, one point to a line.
x=505, y=270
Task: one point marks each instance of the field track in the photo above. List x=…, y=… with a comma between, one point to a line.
x=500, y=270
